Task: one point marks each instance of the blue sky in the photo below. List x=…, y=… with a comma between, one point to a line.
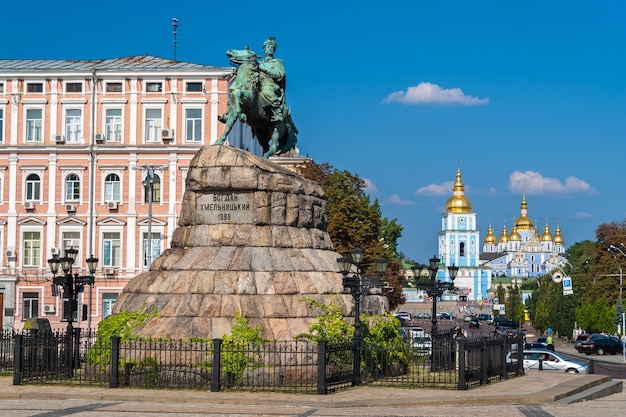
x=526, y=95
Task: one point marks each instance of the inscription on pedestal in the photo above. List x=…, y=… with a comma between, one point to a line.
x=224, y=207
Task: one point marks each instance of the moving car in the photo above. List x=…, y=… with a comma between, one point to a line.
x=422, y=345
x=403, y=315
x=503, y=321
x=600, y=345
x=551, y=361
x=474, y=323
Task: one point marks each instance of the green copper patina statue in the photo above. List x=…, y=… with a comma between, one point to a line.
x=257, y=97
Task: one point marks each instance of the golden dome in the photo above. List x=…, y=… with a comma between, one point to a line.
x=558, y=239
x=546, y=236
x=514, y=236
x=490, y=239
x=524, y=223
x=504, y=237
x=458, y=203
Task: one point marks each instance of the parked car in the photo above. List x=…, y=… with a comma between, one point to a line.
x=551, y=361
x=425, y=316
x=403, y=315
x=485, y=317
x=600, y=345
x=474, y=322
x=585, y=337
x=422, y=345
x=446, y=316
x=503, y=321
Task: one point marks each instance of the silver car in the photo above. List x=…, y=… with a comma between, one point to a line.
x=551, y=361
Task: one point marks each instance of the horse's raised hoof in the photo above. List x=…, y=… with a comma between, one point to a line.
x=220, y=141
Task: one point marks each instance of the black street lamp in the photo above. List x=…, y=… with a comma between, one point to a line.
x=433, y=287
x=72, y=284
x=358, y=285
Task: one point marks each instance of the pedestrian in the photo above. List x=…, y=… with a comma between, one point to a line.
x=550, y=344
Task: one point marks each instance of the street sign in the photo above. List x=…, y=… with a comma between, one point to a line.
x=557, y=277
x=567, y=286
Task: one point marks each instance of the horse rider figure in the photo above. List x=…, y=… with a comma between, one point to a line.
x=273, y=81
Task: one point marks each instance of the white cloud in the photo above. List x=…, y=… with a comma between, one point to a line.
x=531, y=182
x=428, y=93
x=370, y=187
x=436, y=189
x=582, y=215
x=397, y=201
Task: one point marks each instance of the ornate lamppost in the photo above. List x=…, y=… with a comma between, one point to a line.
x=358, y=285
x=433, y=287
x=72, y=284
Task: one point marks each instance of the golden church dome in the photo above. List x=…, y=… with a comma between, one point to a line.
x=458, y=203
x=558, y=239
x=514, y=236
x=546, y=236
x=524, y=223
x=504, y=237
x=490, y=239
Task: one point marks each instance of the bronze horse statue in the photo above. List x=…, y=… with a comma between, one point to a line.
x=246, y=103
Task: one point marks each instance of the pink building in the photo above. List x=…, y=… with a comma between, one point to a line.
x=82, y=143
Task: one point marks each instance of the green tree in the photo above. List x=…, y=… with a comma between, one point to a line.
x=354, y=220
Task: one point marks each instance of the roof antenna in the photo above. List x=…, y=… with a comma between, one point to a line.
x=175, y=24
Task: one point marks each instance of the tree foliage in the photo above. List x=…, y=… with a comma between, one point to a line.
x=354, y=220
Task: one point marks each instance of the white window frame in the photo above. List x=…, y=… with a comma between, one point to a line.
x=30, y=301
x=113, y=125
x=67, y=189
x=108, y=302
x=37, y=187
x=157, y=244
x=152, y=126
x=43, y=87
x=73, y=125
x=1, y=124
x=82, y=86
x=34, y=259
x=72, y=241
x=111, y=195
x=114, y=259
x=191, y=125
x=35, y=128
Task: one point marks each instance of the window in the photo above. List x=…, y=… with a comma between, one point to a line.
x=70, y=240
x=1, y=125
x=34, y=88
x=194, y=86
x=112, y=186
x=153, y=124
x=156, y=190
x=73, y=125
x=114, y=87
x=72, y=187
x=30, y=305
x=1, y=87
x=108, y=301
x=73, y=87
x=193, y=124
x=154, y=87
x=113, y=125
x=155, y=244
x=33, y=187
x=31, y=251
x=34, y=123
x=111, y=249
x=462, y=249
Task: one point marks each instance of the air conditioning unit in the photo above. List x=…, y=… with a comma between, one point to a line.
x=112, y=205
x=167, y=134
x=55, y=251
x=49, y=308
x=109, y=271
x=29, y=205
x=10, y=254
x=100, y=138
x=70, y=208
x=60, y=139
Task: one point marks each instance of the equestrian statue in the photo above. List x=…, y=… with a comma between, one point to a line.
x=256, y=96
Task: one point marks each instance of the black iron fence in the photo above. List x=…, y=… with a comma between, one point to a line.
x=292, y=366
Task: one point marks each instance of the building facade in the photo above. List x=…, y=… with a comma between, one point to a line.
x=93, y=156
x=459, y=244
x=523, y=253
